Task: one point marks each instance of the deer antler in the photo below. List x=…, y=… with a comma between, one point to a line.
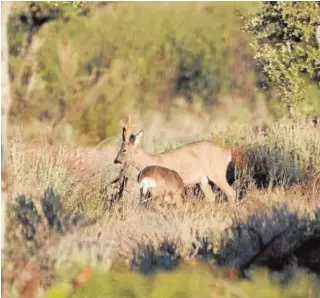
x=126, y=127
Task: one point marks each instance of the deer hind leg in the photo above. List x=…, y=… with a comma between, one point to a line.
x=173, y=199
x=178, y=199
x=147, y=186
x=226, y=188
x=207, y=189
x=169, y=198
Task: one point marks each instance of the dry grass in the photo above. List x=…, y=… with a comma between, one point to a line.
x=76, y=174
x=81, y=176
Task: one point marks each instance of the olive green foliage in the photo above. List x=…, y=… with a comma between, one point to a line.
x=284, y=45
x=189, y=281
x=27, y=17
x=89, y=69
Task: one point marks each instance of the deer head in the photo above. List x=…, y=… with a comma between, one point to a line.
x=130, y=143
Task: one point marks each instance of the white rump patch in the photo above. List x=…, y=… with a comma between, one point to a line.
x=229, y=156
x=147, y=183
x=204, y=180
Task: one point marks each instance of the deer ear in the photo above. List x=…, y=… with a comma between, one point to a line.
x=138, y=137
x=126, y=127
x=124, y=132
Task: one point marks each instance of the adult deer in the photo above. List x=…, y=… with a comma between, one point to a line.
x=198, y=162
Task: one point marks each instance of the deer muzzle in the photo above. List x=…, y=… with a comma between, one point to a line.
x=116, y=161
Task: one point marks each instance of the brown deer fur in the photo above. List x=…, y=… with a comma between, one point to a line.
x=197, y=162
x=161, y=183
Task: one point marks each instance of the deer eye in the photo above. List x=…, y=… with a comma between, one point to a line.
x=124, y=151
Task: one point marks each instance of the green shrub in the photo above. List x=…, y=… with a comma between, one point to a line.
x=285, y=47
x=194, y=281
x=89, y=70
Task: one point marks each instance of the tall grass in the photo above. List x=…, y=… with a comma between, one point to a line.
x=283, y=153
x=157, y=234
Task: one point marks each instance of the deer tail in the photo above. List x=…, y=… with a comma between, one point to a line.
x=229, y=156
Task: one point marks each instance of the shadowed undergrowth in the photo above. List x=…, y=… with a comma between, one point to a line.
x=280, y=241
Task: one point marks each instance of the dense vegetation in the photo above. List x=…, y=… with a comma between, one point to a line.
x=93, y=67
x=286, y=48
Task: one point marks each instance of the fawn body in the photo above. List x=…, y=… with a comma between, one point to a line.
x=161, y=183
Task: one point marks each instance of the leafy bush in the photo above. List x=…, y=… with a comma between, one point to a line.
x=285, y=47
x=27, y=215
x=148, y=259
x=32, y=227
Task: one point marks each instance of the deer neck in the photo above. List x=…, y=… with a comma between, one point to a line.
x=143, y=159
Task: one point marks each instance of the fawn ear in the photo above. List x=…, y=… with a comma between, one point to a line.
x=138, y=137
